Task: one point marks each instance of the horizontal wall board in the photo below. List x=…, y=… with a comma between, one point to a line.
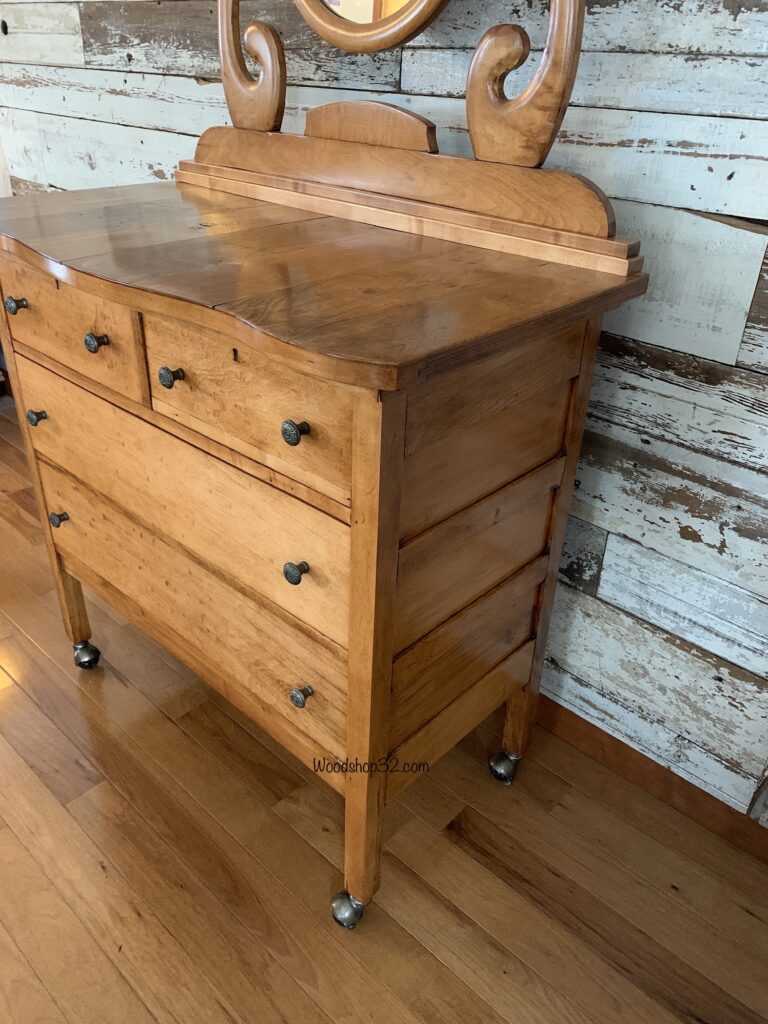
x=753, y=353
x=712, y=164
x=641, y=394
x=582, y=558
x=709, y=701
x=660, y=26
x=165, y=102
x=683, y=504
x=65, y=152
x=703, y=276
x=664, y=82
x=46, y=33
x=167, y=38
x=716, y=616
x=629, y=723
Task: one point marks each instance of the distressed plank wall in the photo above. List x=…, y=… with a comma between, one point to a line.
x=662, y=615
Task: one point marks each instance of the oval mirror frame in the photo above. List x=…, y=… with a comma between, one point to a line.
x=398, y=28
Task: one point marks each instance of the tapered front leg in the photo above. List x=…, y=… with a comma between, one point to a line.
x=377, y=456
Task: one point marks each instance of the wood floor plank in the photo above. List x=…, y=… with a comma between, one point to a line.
x=25, y=560
x=654, y=818
x=19, y=525
x=499, y=977
x=248, y=857
x=164, y=976
x=72, y=966
x=23, y=998
x=663, y=975
x=9, y=429
x=57, y=763
x=741, y=972
x=554, y=953
x=14, y=459
x=226, y=951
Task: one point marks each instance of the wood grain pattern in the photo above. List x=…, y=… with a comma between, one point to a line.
x=248, y=530
x=244, y=398
x=249, y=642
x=373, y=124
x=257, y=104
x=453, y=563
x=522, y=130
x=580, y=207
x=57, y=320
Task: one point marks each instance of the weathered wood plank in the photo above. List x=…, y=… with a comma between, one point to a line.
x=679, y=503
x=630, y=724
x=663, y=679
x=703, y=275
x=65, y=152
x=677, y=83
x=713, y=164
x=718, y=617
x=157, y=36
x=582, y=559
x=753, y=353
x=643, y=392
x=687, y=26
x=47, y=33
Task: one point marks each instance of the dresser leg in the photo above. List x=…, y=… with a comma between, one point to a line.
x=362, y=847
x=75, y=618
x=518, y=725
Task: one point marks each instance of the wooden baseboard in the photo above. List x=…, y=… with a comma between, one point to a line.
x=696, y=804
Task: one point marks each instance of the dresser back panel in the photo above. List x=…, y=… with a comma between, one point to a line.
x=226, y=518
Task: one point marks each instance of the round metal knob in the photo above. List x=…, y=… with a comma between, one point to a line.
x=168, y=377
x=33, y=418
x=293, y=571
x=93, y=342
x=299, y=696
x=292, y=432
x=57, y=518
x=14, y=305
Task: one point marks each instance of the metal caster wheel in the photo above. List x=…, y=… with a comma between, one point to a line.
x=504, y=766
x=86, y=654
x=346, y=910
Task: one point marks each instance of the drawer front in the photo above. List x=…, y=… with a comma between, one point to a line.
x=239, y=525
x=241, y=399
x=57, y=319
x=255, y=647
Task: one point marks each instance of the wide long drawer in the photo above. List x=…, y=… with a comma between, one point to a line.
x=226, y=518
x=241, y=638
x=96, y=337
x=252, y=403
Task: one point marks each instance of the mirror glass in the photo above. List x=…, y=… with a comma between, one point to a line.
x=365, y=12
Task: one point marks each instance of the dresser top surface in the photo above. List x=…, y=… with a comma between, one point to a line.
x=335, y=289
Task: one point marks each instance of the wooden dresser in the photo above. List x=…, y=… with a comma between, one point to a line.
x=310, y=417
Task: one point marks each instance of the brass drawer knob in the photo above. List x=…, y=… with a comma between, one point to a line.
x=14, y=305
x=93, y=342
x=293, y=571
x=57, y=518
x=168, y=377
x=33, y=418
x=292, y=432
x=299, y=696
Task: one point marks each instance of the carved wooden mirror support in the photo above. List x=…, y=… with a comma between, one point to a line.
x=517, y=131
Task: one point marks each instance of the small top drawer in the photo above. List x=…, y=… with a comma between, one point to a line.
x=96, y=337
x=298, y=425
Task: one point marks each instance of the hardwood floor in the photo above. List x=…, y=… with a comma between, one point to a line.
x=163, y=861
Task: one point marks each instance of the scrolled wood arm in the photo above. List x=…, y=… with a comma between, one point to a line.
x=521, y=131
x=257, y=104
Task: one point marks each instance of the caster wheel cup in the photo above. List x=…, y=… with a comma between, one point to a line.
x=503, y=766
x=86, y=655
x=346, y=910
